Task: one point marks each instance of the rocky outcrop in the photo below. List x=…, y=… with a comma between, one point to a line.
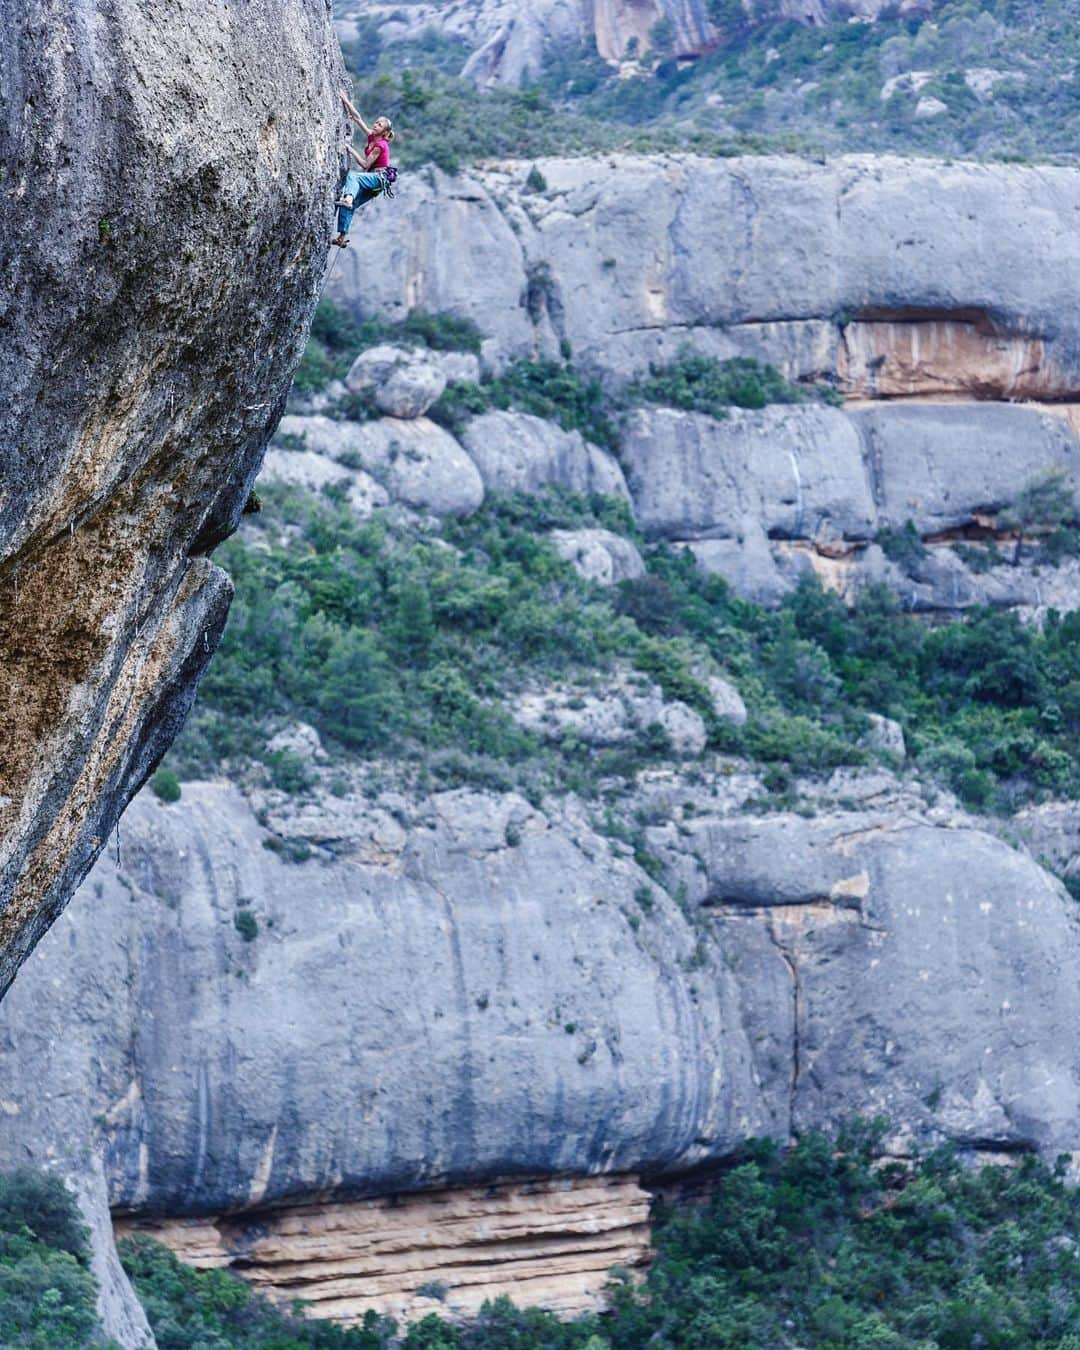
x=599, y=555
x=179, y=168
x=878, y=276
x=411, y=461
x=512, y=39
x=549, y=1243
x=940, y=268
x=462, y=987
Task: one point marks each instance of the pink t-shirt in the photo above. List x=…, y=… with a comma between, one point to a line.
x=382, y=159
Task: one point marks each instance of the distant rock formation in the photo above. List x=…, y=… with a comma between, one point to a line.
x=511, y=39
x=163, y=221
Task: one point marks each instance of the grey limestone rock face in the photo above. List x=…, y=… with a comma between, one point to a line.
x=444, y=245
x=412, y=460
x=794, y=471
x=599, y=555
x=940, y=465
x=403, y=381
x=179, y=165
x=806, y=249
x=517, y=452
x=461, y=986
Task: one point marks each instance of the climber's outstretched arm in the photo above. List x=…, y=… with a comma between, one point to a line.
x=351, y=110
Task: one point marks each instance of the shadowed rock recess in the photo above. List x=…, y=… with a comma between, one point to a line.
x=164, y=176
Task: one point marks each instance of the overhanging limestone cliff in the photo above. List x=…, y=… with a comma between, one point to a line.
x=165, y=169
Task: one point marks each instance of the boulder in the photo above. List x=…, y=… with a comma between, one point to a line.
x=599, y=555
x=886, y=734
x=415, y=461
x=403, y=381
x=298, y=738
x=458, y=367
x=303, y=469
x=516, y=452
x=727, y=702
x=746, y=563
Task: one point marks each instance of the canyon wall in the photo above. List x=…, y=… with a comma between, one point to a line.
x=485, y=1008
x=163, y=222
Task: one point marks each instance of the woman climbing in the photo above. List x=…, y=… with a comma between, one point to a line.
x=373, y=174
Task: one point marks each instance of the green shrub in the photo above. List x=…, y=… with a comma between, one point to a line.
x=165, y=785
x=902, y=546
x=246, y=924
x=290, y=772
x=703, y=384
x=389, y=642
x=213, y=1310
x=47, y=1294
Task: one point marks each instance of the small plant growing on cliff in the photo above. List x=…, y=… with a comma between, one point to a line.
x=166, y=786
x=1046, y=502
x=246, y=924
x=902, y=546
x=535, y=182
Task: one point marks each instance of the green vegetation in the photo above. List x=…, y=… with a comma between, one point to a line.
x=165, y=785
x=821, y=1246
x=47, y=1294
x=446, y=121
x=394, y=642
x=703, y=384
x=189, y=1310
x=246, y=924
x=543, y=388
x=824, y=86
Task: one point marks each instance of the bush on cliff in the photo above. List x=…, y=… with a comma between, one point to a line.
x=211, y=1310
x=48, y=1296
x=703, y=384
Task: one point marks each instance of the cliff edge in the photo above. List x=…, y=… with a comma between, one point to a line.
x=164, y=178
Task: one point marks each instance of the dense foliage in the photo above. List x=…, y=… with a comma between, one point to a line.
x=1003, y=69
x=702, y=384
x=545, y=389
x=47, y=1295
x=211, y=1310
x=392, y=641
x=818, y=1247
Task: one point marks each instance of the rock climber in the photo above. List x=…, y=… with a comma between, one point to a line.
x=373, y=175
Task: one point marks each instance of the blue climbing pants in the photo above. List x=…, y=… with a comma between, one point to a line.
x=361, y=187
